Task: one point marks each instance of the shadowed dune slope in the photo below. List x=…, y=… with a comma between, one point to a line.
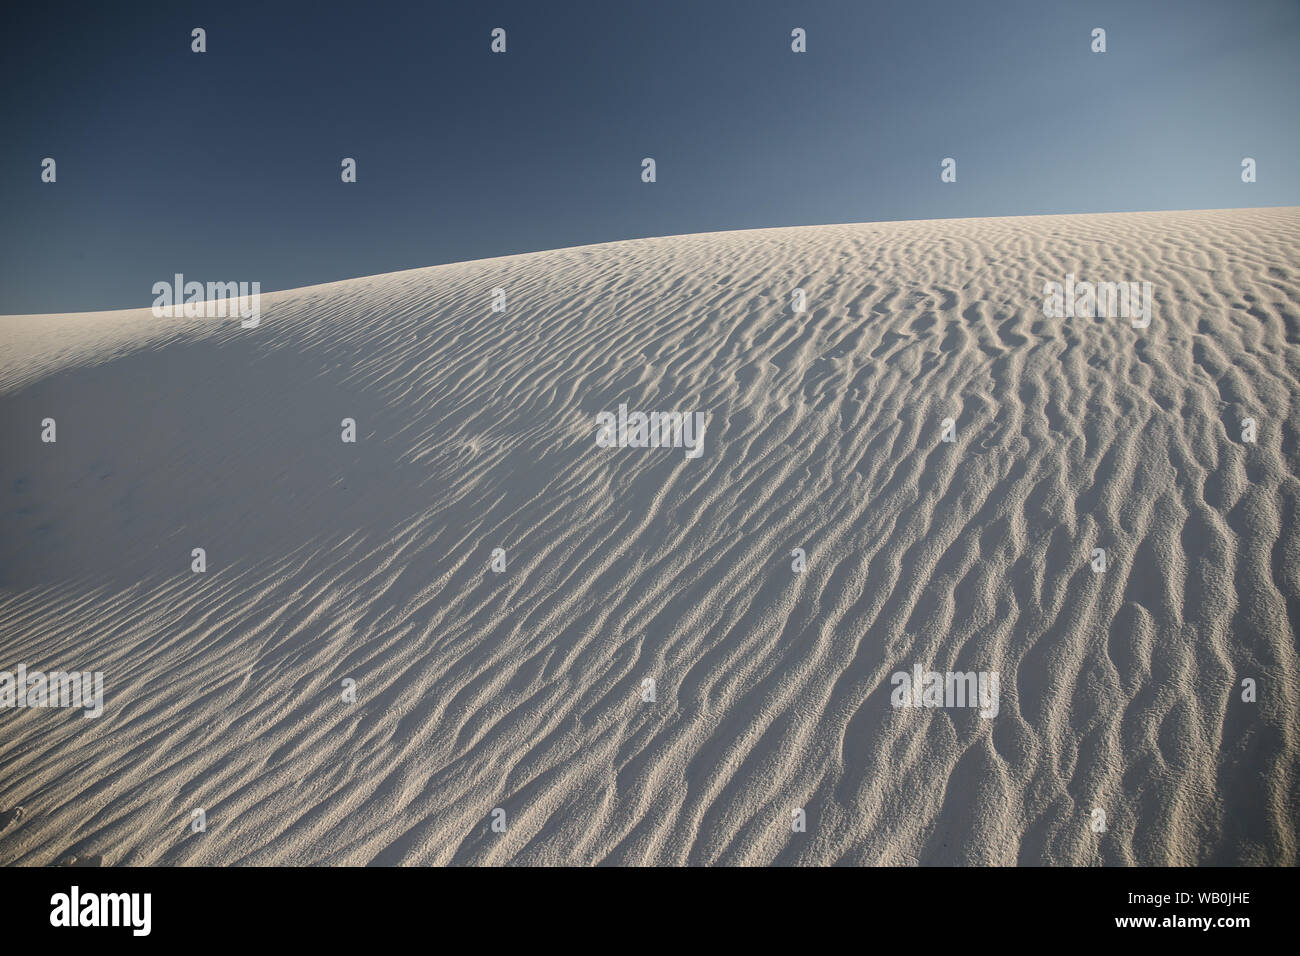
x=1119, y=690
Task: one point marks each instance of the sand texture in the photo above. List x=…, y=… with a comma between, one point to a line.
x=523, y=690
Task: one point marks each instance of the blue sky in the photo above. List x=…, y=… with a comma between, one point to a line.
x=224, y=165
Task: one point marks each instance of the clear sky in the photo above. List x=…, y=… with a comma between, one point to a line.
x=225, y=166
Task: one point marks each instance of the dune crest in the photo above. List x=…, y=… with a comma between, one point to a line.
x=524, y=690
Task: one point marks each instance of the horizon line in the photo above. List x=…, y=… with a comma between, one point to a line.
x=684, y=235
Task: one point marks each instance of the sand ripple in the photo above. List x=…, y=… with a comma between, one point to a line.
x=523, y=690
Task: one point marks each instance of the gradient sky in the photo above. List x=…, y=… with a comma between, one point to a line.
x=224, y=166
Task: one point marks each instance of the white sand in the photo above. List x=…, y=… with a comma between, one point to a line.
x=326, y=560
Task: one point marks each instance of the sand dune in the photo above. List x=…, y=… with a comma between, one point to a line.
x=522, y=690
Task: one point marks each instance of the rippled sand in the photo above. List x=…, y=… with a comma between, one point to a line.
x=1120, y=691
